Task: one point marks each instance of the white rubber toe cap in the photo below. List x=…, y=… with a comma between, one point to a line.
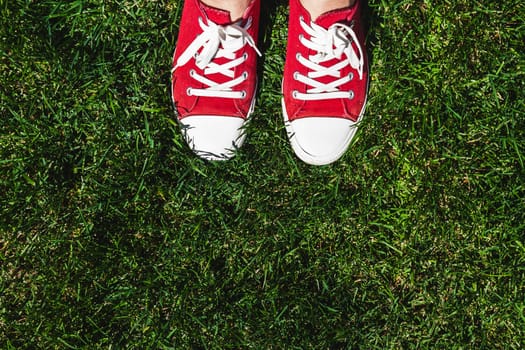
x=321, y=140
x=214, y=137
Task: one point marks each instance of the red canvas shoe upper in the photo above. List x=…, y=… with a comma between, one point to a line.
x=214, y=63
x=326, y=70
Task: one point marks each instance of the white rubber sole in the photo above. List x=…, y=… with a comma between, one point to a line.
x=324, y=159
x=225, y=153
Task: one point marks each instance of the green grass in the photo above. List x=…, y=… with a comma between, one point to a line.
x=113, y=235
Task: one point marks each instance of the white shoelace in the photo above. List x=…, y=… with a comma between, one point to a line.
x=329, y=44
x=218, y=41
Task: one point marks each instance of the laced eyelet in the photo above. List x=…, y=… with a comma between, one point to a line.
x=298, y=56
x=296, y=75
x=294, y=94
x=351, y=94
x=351, y=76
x=301, y=37
x=234, y=49
x=301, y=18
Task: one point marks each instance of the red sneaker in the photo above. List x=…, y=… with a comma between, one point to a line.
x=214, y=77
x=325, y=82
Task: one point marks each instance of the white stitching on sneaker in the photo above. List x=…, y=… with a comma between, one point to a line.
x=328, y=44
x=218, y=41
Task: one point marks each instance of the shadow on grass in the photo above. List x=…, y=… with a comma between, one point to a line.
x=372, y=22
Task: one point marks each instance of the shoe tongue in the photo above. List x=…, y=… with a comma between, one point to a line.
x=218, y=16
x=341, y=15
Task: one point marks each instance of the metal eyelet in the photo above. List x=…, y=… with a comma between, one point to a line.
x=298, y=56
x=351, y=76
x=245, y=56
x=245, y=75
x=351, y=94
x=243, y=94
x=192, y=72
x=294, y=94
x=296, y=75
x=188, y=91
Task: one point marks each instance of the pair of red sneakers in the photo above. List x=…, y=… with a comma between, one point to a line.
x=214, y=79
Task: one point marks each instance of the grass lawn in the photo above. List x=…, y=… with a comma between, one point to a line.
x=113, y=235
